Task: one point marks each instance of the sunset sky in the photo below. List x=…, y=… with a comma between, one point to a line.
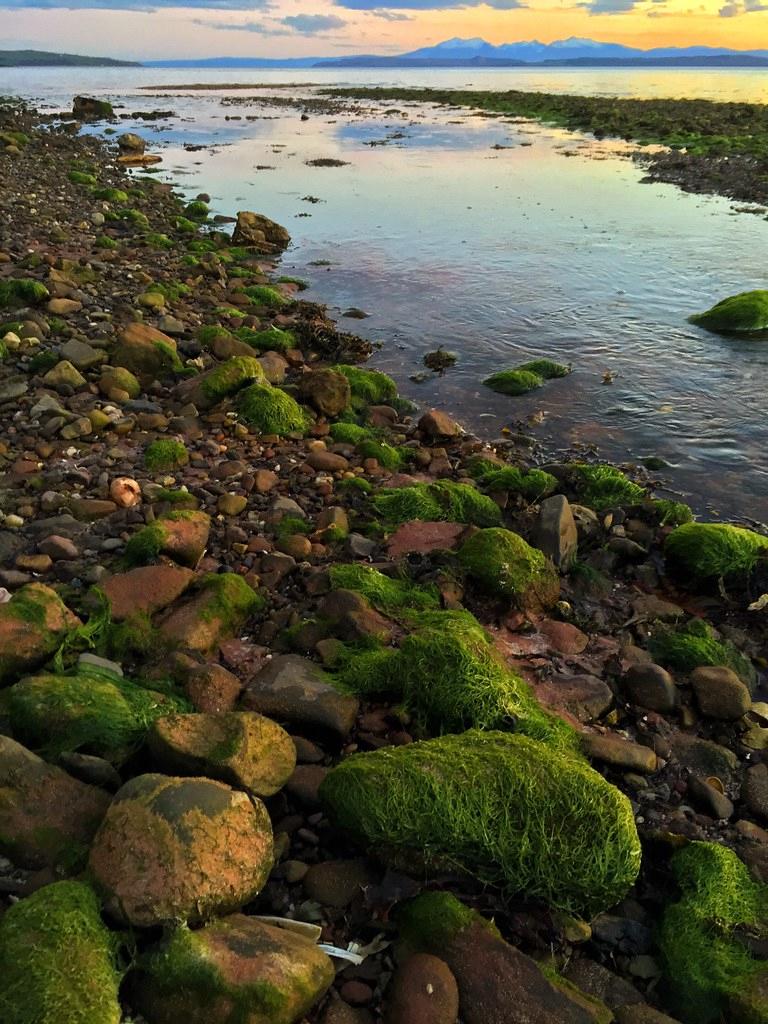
x=276, y=28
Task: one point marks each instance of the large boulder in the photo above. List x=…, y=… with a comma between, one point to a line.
x=256, y=231
x=129, y=142
x=32, y=626
x=326, y=390
x=88, y=108
x=229, y=377
x=47, y=818
x=146, y=352
x=238, y=747
x=183, y=536
x=238, y=968
x=95, y=710
x=743, y=313
x=145, y=590
x=497, y=983
x=180, y=849
x=504, y=808
x=296, y=690
x=58, y=962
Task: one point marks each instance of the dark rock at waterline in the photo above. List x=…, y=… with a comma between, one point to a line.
x=256, y=231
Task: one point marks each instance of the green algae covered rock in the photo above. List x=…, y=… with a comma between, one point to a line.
x=746, y=312
x=504, y=565
x=236, y=969
x=441, y=501
x=181, y=535
x=15, y=291
x=603, y=487
x=224, y=380
x=514, y=382
x=532, y=484
x=164, y=455
x=33, y=625
x=450, y=677
x=702, y=936
x=241, y=748
x=489, y=970
x=173, y=849
x=58, y=960
x=709, y=551
x=96, y=711
x=219, y=607
x=546, y=368
x=388, y=594
x=694, y=644
x=503, y=808
x=270, y=410
x=368, y=387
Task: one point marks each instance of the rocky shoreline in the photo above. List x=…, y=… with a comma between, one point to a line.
x=284, y=660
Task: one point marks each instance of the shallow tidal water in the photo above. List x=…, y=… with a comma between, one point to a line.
x=549, y=246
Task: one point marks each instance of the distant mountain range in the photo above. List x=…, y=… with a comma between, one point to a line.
x=44, y=59
x=452, y=53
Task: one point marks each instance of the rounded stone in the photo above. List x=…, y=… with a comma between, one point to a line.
x=178, y=849
x=423, y=991
x=720, y=693
x=652, y=687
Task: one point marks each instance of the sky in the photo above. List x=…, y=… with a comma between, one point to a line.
x=146, y=29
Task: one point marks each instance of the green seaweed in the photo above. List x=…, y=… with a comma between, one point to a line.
x=197, y=211
x=58, y=961
x=694, y=644
x=386, y=456
x=702, y=936
x=443, y=501
x=504, y=565
x=368, y=387
x=272, y=339
x=503, y=808
x=81, y=178
x=24, y=291
x=351, y=433
x=743, y=313
x=532, y=484
x=390, y=595
x=709, y=551
x=165, y=455
x=231, y=376
x=263, y=295
x=271, y=411
x=545, y=368
x=514, y=382
x=603, y=487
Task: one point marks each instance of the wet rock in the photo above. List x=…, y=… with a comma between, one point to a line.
x=81, y=355
x=564, y=637
x=241, y=748
x=212, y=688
x=129, y=142
x=709, y=798
x=325, y=461
x=326, y=391
x=555, y=531
x=585, y=697
x=47, y=818
x=60, y=549
x=602, y=984
x=232, y=504
x=295, y=690
x=64, y=375
x=87, y=108
x=145, y=351
x=175, y=849
x=703, y=757
x=32, y=626
x=652, y=687
x=342, y=1013
x=256, y=231
x=89, y=509
x=336, y=883
x=423, y=990
x=424, y=537
x=237, y=968
x=720, y=693
x=437, y=423
x=620, y=753
x=305, y=784
x=214, y=613
x=352, y=619
x=754, y=791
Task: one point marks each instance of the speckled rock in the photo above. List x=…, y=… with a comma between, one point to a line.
x=241, y=748
x=423, y=990
x=173, y=849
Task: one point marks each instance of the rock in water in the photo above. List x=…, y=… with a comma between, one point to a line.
x=504, y=808
x=234, y=969
x=47, y=818
x=57, y=959
x=259, y=232
x=743, y=313
x=87, y=108
x=174, y=849
x=129, y=142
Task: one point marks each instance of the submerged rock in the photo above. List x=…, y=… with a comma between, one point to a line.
x=746, y=312
x=173, y=849
x=58, y=962
x=234, y=969
x=503, y=808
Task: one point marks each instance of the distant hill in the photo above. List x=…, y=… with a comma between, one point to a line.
x=236, y=62
x=717, y=60
x=43, y=59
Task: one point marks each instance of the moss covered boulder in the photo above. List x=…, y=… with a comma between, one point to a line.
x=694, y=645
x=502, y=564
x=33, y=625
x=702, y=552
x=98, y=712
x=239, y=747
x=497, y=983
x=116, y=379
x=450, y=677
x=514, y=382
x=368, y=387
x=58, y=962
x=743, y=313
x=146, y=352
x=222, y=381
x=182, y=536
x=47, y=818
x=327, y=391
x=215, y=612
x=178, y=849
x=704, y=936
x=236, y=969
x=503, y=808
x=271, y=411
x=165, y=455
